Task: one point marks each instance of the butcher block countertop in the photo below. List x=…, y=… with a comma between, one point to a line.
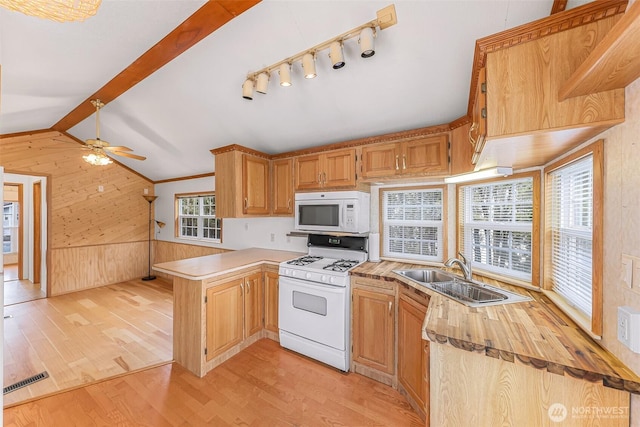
x=535, y=333
x=208, y=266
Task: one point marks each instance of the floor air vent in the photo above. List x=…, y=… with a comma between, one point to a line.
x=25, y=382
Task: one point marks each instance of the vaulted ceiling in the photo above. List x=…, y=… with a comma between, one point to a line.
x=174, y=113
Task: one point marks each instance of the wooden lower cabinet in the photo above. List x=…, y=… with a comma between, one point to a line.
x=413, y=351
x=224, y=317
x=373, y=329
x=271, y=289
x=233, y=313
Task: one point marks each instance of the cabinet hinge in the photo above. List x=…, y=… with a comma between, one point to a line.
x=483, y=113
x=205, y=351
x=483, y=87
x=205, y=299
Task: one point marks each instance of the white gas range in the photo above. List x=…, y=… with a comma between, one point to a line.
x=314, y=298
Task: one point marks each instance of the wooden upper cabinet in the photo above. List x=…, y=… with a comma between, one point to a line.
x=255, y=185
x=332, y=169
x=462, y=150
x=242, y=182
x=282, y=197
x=527, y=124
x=427, y=155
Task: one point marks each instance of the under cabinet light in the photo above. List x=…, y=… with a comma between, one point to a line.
x=481, y=174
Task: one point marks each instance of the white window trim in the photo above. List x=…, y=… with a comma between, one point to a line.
x=199, y=218
x=440, y=225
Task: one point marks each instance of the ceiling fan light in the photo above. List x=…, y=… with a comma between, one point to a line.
x=366, y=42
x=336, y=55
x=247, y=89
x=97, y=159
x=285, y=74
x=309, y=65
x=262, y=83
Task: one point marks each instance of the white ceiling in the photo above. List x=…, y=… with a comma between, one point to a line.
x=419, y=76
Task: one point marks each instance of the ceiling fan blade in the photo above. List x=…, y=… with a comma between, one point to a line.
x=129, y=155
x=117, y=148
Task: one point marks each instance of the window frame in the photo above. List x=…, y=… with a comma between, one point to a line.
x=593, y=325
x=200, y=218
x=535, y=228
x=381, y=221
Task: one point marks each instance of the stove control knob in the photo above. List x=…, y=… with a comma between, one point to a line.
x=323, y=278
x=332, y=279
x=307, y=276
x=292, y=272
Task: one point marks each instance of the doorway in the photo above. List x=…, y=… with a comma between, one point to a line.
x=23, y=238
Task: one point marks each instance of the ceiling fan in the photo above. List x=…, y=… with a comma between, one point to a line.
x=100, y=148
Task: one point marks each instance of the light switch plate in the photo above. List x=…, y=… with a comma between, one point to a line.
x=629, y=328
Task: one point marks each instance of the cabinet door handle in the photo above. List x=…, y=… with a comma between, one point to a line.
x=246, y=203
x=404, y=162
x=397, y=165
x=248, y=287
x=473, y=127
x=288, y=203
x=390, y=305
x=320, y=178
x=241, y=288
x=324, y=177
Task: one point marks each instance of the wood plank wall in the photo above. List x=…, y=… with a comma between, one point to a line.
x=94, y=238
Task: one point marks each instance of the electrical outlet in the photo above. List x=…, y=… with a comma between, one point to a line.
x=627, y=270
x=246, y=226
x=145, y=191
x=635, y=279
x=273, y=237
x=629, y=328
x=100, y=189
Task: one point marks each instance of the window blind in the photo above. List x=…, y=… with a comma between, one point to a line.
x=412, y=224
x=571, y=225
x=497, y=222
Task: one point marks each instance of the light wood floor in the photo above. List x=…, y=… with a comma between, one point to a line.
x=264, y=385
x=87, y=336
x=17, y=291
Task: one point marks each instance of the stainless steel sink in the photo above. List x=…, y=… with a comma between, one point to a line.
x=427, y=275
x=471, y=293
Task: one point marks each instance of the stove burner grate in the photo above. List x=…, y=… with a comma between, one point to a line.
x=305, y=260
x=341, y=265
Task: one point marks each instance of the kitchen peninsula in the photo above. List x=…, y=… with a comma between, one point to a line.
x=508, y=364
x=219, y=304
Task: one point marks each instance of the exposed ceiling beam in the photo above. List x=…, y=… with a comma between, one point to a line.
x=211, y=16
x=558, y=6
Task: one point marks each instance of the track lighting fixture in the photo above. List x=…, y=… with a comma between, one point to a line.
x=366, y=42
x=366, y=33
x=247, y=89
x=285, y=74
x=336, y=55
x=262, y=82
x=309, y=65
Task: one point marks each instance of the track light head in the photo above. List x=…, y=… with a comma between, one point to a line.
x=309, y=65
x=285, y=74
x=366, y=42
x=262, y=83
x=247, y=89
x=336, y=55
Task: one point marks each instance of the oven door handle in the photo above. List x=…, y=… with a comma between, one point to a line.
x=288, y=282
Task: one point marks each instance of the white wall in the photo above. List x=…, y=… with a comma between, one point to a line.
x=237, y=233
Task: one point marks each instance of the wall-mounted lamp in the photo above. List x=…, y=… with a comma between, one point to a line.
x=366, y=33
x=481, y=174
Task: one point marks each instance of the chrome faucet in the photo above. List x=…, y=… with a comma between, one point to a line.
x=464, y=265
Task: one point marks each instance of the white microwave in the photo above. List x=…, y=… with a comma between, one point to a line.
x=333, y=211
